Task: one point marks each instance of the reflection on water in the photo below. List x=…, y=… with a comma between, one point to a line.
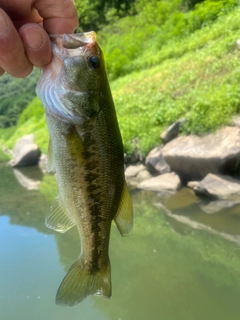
x=30, y=178
x=166, y=269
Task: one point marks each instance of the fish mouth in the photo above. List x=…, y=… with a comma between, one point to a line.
x=63, y=44
x=74, y=41
x=68, y=46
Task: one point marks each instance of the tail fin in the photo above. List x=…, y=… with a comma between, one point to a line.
x=79, y=283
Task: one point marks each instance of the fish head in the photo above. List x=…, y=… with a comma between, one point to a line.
x=74, y=80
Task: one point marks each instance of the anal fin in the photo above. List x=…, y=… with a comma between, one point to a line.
x=124, y=216
x=58, y=218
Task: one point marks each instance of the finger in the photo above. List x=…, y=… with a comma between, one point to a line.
x=19, y=20
x=36, y=44
x=20, y=12
x=12, y=56
x=58, y=16
x=1, y=72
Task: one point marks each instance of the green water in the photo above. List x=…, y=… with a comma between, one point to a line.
x=181, y=264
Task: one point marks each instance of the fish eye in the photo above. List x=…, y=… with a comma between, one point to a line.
x=94, y=62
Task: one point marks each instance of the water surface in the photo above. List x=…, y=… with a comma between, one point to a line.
x=179, y=263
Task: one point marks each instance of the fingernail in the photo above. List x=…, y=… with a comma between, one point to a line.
x=3, y=24
x=33, y=38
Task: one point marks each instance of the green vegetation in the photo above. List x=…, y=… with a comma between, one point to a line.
x=15, y=94
x=95, y=14
x=165, y=60
x=5, y=134
x=161, y=30
x=32, y=120
x=183, y=65
x=3, y=156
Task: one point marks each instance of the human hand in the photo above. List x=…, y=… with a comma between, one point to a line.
x=24, y=28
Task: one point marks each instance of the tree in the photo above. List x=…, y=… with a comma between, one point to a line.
x=94, y=14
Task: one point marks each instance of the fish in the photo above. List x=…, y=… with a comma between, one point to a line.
x=86, y=151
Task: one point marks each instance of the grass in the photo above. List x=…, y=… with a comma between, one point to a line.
x=5, y=134
x=36, y=126
x=3, y=156
x=32, y=120
x=200, y=85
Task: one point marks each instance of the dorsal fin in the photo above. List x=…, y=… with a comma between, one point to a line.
x=124, y=216
x=58, y=218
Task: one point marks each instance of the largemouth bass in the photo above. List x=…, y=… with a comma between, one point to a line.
x=86, y=151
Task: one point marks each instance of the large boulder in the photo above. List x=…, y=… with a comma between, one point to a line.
x=26, y=152
x=219, y=186
x=193, y=157
x=156, y=163
x=167, y=181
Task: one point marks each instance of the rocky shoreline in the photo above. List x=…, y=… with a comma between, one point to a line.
x=209, y=165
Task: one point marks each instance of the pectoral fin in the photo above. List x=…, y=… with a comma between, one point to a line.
x=124, y=216
x=58, y=218
x=50, y=162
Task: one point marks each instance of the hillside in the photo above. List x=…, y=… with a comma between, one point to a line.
x=184, y=64
x=15, y=95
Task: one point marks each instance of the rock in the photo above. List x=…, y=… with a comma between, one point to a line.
x=237, y=44
x=156, y=163
x=172, y=131
x=136, y=155
x=166, y=181
x=193, y=157
x=193, y=184
x=136, y=174
x=143, y=175
x=236, y=122
x=219, y=186
x=27, y=139
x=133, y=171
x=217, y=205
x=26, y=152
